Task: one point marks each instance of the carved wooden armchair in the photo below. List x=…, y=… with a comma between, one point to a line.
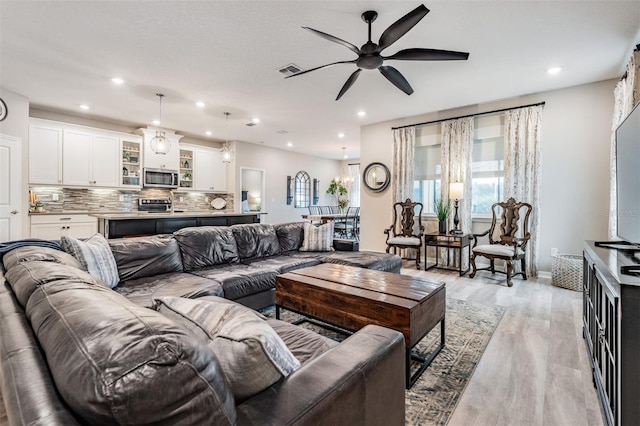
x=401, y=234
x=507, y=239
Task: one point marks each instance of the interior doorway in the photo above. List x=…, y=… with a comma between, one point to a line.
x=11, y=210
x=252, y=190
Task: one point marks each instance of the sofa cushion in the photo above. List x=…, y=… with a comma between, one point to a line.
x=239, y=280
x=25, y=277
x=284, y=264
x=142, y=291
x=95, y=256
x=255, y=240
x=46, y=254
x=252, y=355
x=206, y=246
x=146, y=256
x=304, y=344
x=290, y=235
x=318, y=238
x=116, y=362
x=366, y=259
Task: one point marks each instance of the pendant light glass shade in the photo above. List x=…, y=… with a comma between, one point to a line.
x=226, y=151
x=160, y=144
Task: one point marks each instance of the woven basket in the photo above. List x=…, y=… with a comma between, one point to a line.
x=566, y=271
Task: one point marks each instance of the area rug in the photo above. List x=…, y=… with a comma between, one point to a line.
x=432, y=399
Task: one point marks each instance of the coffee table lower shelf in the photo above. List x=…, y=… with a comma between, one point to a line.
x=424, y=360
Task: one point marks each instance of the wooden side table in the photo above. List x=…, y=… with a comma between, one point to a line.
x=449, y=241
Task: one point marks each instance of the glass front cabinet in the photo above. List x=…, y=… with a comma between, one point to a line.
x=131, y=162
x=186, y=168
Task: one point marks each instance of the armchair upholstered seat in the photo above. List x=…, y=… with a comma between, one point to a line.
x=404, y=232
x=507, y=239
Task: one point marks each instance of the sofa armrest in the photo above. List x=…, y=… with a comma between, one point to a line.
x=359, y=382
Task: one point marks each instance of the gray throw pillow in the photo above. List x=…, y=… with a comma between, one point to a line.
x=318, y=238
x=95, y=256
x=251, y=354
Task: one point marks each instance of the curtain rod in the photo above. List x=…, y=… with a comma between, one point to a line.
x=353, y=164
x=465, y=116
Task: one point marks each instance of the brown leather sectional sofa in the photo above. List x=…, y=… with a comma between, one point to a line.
x=73, y=351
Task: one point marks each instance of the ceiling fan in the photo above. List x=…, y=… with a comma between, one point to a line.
x=369, y=57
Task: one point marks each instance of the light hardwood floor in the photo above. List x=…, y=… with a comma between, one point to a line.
x=535, y=370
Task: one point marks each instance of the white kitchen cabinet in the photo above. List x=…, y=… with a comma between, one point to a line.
x=209, y=172
x=90, y=158
x=170, y=160
x=45, y=152
x=53, y=226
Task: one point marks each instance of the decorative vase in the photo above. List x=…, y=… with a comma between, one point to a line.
x=442, y=226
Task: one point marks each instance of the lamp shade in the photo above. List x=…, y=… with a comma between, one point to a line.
x=456, y=190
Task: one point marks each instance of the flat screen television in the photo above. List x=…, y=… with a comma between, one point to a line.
x=628, y=177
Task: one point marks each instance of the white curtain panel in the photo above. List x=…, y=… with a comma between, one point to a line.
x=404, y=144
x=522, y=170
x=353, y=173
x=456, y=161
x=626, y=95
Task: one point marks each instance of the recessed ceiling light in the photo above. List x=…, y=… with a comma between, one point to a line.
x=554, y=70
x=361, y=113
x=289, y=144
x=256, y=120
x=208, y=133
x=85, y=107
x=156, y=122
x=117, y=80
x=341, y=135
x=200, y=104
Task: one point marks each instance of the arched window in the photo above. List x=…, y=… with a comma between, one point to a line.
x=302, y=190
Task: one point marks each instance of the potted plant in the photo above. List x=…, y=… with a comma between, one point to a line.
x=339, y=191
x=443, y=209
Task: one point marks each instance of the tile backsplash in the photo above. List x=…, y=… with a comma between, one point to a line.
x=108, y=200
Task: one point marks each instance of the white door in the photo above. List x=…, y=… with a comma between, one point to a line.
x=76, y=154
x=105, y=160
x=45, y=154
x=10, y=188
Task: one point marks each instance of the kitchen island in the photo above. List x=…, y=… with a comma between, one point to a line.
x=133, y=224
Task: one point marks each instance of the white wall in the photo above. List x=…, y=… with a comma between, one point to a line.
x=576, y=130
x=278, y=164
x=17, y=125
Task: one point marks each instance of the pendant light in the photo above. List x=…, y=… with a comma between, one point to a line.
x=226, y=151
x=160, y=144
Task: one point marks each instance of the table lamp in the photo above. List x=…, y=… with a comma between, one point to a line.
x=456, y=192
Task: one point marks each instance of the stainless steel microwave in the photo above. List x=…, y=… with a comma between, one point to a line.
x=160, y=178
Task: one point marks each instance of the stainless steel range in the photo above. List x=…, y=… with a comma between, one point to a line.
x=154, y=205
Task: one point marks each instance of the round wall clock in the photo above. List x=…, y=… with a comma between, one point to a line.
x=3, y=110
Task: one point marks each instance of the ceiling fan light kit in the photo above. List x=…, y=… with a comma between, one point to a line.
x=369, y=55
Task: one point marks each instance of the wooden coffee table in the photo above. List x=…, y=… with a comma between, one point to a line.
x=350, y=298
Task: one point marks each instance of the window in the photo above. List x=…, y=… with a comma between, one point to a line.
x=487, y=181
x=427, y=169
x=302, y=190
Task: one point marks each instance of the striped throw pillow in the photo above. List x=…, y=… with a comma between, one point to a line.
x=318, y=238
x=95, y=256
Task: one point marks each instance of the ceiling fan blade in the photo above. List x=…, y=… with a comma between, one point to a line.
x=329, y=37
x=401, y=26
x=347, y=85
x=428, y=55
x=321, y=66
x=398, y=80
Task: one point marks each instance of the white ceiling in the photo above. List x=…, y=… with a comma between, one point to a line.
x=61, y=54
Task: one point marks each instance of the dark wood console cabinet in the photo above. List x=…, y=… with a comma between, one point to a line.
x=611, y=328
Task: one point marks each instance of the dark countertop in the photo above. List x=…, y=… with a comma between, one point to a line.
x=150, y=215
